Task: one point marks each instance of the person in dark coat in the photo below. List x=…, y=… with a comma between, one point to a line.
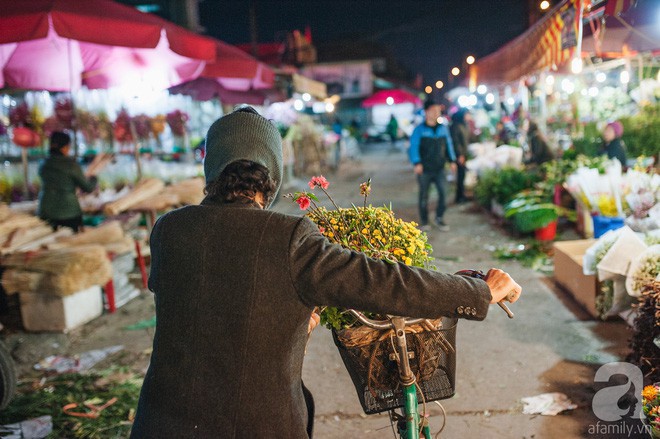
x=613, y=144
x=235, y=285
x=539, y=149
x=460, y=134
x=60, y=176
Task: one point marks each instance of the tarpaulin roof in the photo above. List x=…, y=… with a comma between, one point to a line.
x=540, y=46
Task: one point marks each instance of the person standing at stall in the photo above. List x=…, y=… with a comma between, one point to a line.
x=430, y=149
x=60, y=176
x=539, y=149
x=460, y=134
x=613, y=144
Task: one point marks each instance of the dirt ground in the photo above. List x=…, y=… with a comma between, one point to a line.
x=550, y=346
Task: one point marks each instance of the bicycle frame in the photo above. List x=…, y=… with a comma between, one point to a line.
x=412, y=424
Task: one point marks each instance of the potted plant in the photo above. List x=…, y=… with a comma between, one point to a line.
x=532, y=211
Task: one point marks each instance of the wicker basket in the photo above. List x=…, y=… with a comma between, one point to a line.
x=369, y=356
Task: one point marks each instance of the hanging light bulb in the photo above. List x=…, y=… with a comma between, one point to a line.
x=576, y=65
x=624, y=77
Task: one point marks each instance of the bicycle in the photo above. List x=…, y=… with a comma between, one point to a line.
x=411, y=424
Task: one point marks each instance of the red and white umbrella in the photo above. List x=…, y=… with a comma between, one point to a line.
x=59, y=45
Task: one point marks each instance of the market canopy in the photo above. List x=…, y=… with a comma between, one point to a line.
x=551, y=42
x=59, y=45
x=391, y=97
x=543, y=45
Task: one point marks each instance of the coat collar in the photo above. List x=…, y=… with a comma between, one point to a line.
x=248, y=204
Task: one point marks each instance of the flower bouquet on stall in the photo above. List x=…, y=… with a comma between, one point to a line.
x=601, y=194
x=368, y=354
x=651, y=409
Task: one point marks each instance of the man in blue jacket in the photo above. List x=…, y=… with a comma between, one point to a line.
x=430, y=149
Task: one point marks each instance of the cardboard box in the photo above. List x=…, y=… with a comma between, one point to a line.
x=47, y=312
x=568, y=272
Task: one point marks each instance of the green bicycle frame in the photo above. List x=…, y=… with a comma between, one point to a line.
x=413, y=419
x=413, y=423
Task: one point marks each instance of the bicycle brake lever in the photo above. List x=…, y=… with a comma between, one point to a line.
x=480, y=275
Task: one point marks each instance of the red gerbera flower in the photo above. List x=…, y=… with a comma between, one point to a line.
x=319, y=181
x=303, y=202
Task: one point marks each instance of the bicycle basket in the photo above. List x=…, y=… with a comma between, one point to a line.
x=375, y=374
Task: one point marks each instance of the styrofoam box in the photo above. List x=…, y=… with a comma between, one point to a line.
x=46, y=312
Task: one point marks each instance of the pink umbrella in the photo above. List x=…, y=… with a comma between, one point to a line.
x=204, y=89
x=59, y=45
x=236, y=70
x=391, y=97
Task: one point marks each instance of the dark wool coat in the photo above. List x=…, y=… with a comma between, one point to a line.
x=60, y=176
x=234, y=289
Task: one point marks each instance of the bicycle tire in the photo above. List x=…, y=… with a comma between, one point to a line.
x=7, y=377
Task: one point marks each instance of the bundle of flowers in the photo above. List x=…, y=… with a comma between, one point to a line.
x=89, y=125
x=645, y=340
x=19, y=115
x=157, y=125
x=643, y=271
x=374, y=231
x=122, y=127
x=177, y=121
x=64, y=113
x=651, y=408
x=643, y=200
x=600, y=194
x=142, y=124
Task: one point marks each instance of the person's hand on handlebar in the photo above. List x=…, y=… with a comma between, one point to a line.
x=314, y=320
x=502, y=286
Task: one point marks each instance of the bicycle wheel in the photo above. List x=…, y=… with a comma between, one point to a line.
x=7, y=377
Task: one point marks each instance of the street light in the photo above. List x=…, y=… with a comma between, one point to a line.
x=389, y=100
x=455, y=71
x=545, y=4
x=439, y=84
x=469, y=60
x=428, y=89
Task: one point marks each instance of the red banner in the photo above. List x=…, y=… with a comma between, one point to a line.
x=616, y=7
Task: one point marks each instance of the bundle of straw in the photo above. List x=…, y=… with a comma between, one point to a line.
x=189, y=191
x=4, y=211
x=144, y=190
x=100, y=161
x=162, y=201
x=107, y=233
x=15, y=221
x=24, y=235
x=60, y=271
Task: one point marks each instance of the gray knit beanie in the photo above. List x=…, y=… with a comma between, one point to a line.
x=243, y=135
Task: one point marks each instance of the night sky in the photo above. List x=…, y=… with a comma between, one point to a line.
x=426, y=36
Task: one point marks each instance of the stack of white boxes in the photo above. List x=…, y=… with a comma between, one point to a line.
x=122, y=266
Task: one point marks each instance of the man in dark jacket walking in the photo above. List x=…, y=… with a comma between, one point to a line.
x=235, y=285
x=430, y=149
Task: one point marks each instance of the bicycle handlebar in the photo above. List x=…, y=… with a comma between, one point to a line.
x=383, y=324
x=388, y=324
